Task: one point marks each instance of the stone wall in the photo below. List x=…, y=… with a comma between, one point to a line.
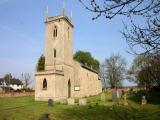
x=87, y=80
x=40, y=92
x=60, y=68
x=14, y=94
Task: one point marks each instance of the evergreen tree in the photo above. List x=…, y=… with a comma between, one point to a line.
x=41, y=63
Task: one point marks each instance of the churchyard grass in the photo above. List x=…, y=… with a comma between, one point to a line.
x=25, y=108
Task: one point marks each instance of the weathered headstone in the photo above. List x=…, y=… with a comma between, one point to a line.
x=123, y=93
x=120, y=93
x=63, y=101
x=144, y=100
x=114, y=96
x=125, y=100
x=50, y=102
x=44, y=117
x=70, y=101
x=103, y=97
x=82, y=101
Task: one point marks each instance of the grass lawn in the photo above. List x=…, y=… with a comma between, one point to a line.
x=25, y=108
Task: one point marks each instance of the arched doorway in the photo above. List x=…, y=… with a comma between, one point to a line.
x=69, y=89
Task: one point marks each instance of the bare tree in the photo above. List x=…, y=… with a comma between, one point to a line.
x=145, y=71
x=147, y=36
x=26, y=79
x=112, y=8
x=115, y=70
x=102, y=74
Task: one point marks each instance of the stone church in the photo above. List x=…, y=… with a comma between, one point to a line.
x=63, y=77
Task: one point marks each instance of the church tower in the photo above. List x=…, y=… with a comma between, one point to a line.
x=55, y=82
x=63, y=78
x=58, y=43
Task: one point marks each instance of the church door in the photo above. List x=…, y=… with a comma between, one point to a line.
x=69, y=89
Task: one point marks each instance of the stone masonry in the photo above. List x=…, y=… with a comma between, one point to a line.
x=63, y=77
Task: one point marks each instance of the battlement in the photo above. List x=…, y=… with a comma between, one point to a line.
x=57, y=18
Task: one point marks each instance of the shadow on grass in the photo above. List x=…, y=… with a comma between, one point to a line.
x=92, y=111
x=152, y=97
x=115, y=112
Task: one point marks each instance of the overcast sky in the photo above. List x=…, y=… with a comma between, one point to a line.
x=22, y=33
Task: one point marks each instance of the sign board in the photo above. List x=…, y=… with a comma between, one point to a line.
x=77, y=88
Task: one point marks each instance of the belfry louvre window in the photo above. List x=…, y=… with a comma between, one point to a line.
x=55, y=31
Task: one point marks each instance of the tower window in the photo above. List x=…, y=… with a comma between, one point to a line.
x=68, y=33
x=55, y=31
x=44, y=83
x=55, y=53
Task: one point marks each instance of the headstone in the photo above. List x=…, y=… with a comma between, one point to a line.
x=131, y=90
x=44, y=117
x=103, y=97
x=114, y=96
x=63, y=101
x=120, y=93
x=50, y=102
x=83, y=101
x=125, y=100
x=144, y=100
x=70, y=101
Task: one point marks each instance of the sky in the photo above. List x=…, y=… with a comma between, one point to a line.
x=22, y=33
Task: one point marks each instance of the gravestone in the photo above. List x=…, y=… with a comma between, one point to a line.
x=144, y=100
x=114, y=96
x=125, y=100
x=44, y=117
x=70, y=101
x=118, y=96
x=63, y=101
x=82, y=101
x=103, y=97
x=120, y=93
x=50, y=102
x=123, y=93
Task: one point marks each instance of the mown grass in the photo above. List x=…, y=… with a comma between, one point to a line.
x=25, y=108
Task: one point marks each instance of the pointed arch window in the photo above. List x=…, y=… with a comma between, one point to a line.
x=68, y=33
x=55, y=31
x=44, y=84
x=55, y=53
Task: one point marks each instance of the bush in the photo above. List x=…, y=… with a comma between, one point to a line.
x=18, y=90
x=27, y=90
x=7, y=89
